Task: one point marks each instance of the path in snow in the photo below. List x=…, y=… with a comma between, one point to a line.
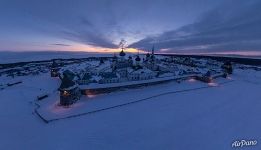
x=46, y=120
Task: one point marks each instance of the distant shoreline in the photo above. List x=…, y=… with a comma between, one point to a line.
x=39, y=56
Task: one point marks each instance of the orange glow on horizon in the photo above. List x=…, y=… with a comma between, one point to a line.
x=86, y=48
x=213, y=84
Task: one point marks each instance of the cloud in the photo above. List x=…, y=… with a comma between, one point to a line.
x=98, y=23
x=234, y=25
x=60, y=44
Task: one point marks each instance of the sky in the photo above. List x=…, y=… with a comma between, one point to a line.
x=173, y=26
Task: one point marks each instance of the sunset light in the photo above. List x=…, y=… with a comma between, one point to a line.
x=130, y=74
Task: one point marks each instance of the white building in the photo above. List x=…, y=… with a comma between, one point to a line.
x=141, y=74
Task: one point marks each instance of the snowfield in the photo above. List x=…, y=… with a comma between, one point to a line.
x=203, y=117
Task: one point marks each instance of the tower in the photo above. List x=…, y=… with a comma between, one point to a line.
x=101, y=61
x=122, y=45
x=137, y=61
x=227, y=67
x=122, y=54
x=130, y=61
x=152, y=53
x=69, y=91
x=114, y=61
x=54, y=69
x=152, y=50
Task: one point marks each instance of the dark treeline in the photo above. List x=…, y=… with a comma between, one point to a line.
x=246, y=61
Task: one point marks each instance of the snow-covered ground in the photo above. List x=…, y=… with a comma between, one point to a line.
x=203, y=119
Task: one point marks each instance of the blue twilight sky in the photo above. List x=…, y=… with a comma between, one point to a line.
x=99, y=25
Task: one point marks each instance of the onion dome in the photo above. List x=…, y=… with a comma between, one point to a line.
x=148, y=55
x=137, y=58
x=122, y=53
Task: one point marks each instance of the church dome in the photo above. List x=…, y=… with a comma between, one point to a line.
x=122, y=53
x=137, y=58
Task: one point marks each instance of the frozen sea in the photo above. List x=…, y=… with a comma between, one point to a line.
x=13, y=57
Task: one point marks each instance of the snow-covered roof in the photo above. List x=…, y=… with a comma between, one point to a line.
x=69, y=74
x=67, y=83
x=143, y=70
x=109, y=75
x=86, y=76
x=110, y=85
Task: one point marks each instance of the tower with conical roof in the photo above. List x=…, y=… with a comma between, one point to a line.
x=69, y=91
x=130, y=61
x=54, y=69
x=152, y=53
x=137, y=61
x=114, y=62
x=227, y=67
x=152, y=50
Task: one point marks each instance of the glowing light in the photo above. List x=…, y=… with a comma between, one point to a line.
x=86, y=48
x=212, y=84
x=229, y=78
x=56, y=108
x=91, y=96
x=191, y=80
x=65, y=93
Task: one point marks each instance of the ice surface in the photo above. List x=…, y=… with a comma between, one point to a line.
x=13, y=57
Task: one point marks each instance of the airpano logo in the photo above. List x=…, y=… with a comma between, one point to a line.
x=243, y=143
